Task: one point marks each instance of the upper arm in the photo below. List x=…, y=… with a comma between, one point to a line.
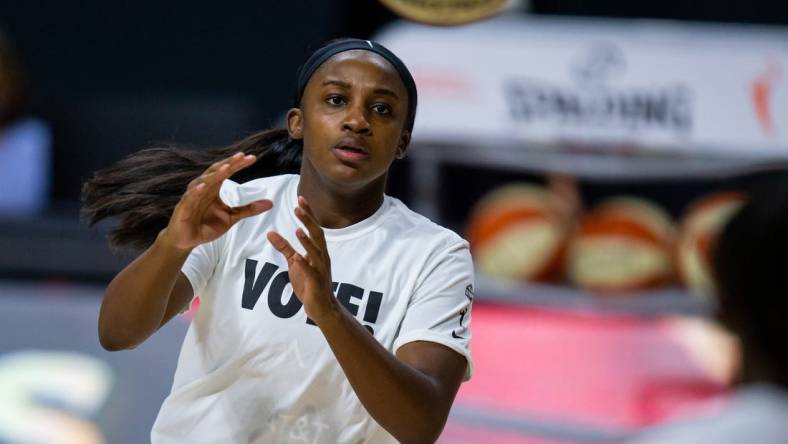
x=444, y=366
x=193, y=277
x=180, y=297
x=439, y=311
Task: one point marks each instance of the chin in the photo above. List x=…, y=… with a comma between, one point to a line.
x=348, y=176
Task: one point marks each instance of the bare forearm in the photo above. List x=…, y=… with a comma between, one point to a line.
x=409, y=394
x=135, y=302
x=402, y=400
x=148, y=292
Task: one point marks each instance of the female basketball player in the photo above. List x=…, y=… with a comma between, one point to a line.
x=330, y=312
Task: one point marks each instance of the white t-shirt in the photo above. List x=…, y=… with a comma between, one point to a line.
x=253, y=370
x=756, y=414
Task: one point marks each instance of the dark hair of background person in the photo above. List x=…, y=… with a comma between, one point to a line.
x=750, y=271
x=13, y=84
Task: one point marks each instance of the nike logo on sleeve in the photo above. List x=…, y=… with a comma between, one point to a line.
x=468, y=294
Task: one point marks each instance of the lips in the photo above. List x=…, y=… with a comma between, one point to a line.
x=351, y=149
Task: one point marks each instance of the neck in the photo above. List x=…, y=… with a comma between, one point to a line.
x=340, y=206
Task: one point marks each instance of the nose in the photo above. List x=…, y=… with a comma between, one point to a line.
x=356, y=120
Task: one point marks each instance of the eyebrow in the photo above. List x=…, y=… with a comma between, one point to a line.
x=345, y=85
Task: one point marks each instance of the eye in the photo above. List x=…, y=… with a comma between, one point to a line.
x=381, y=108
x=335, y=100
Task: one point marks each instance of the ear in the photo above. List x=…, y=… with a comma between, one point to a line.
x=402, y=147
x=295, y=123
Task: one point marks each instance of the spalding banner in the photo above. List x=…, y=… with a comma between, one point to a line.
x=629, y=89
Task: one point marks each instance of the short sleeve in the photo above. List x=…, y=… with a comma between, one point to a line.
x=202, y=261
x=440, y=308
x=200, y=264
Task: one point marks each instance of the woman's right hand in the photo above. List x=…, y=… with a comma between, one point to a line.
x=201, y=216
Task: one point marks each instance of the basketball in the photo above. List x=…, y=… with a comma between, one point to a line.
x=517, y=232
x=622, y=245
x=446, y=12
x=700, y=227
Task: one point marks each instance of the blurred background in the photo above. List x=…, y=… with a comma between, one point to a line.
x=589, y=151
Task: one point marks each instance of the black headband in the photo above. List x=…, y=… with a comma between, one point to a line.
x=321, y=55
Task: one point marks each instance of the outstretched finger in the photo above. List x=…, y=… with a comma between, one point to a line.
x=190, y=201
x=313, y=252
x=305, y=266
x=215, y=178
x=305, y=215
x=282, y=245
x=243, y=162
x=252, y=209
x=204, y=178
x=227, y=160
x=209, y=175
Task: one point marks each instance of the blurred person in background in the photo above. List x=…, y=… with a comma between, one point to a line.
x=750, y=273
x=24, y=143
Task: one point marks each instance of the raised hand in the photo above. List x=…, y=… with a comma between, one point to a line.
x=201, y=216
x=310, y=275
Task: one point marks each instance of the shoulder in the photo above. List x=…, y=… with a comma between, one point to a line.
x=235, y=194
x=423, y=234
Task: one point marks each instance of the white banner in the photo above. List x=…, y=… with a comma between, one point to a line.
x=626, y=88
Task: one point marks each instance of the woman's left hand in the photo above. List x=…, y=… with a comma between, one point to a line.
x=310, y=274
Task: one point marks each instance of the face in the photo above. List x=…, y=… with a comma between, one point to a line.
x=352, y=120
